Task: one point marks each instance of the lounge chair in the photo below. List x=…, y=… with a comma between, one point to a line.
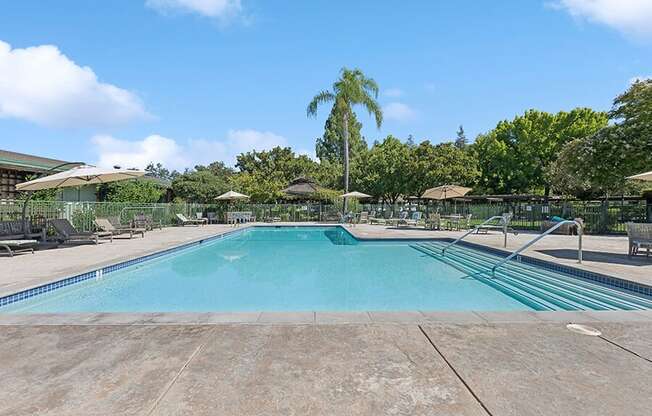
x=640, y=236
x=385, y=219
x=503, y=224
x=18, y=246
x=412, y=221
x=68, y=233
x=185, y=221
x=363, y=218
x=147, y=222
x=104, y=224
x=200, y=216
x=402, y=216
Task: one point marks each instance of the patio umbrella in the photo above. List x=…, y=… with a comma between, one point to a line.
x=231, y=196
x=647, y=176
x=445, y=192
x=77, y=176
x=80, y=176
x=356, y=195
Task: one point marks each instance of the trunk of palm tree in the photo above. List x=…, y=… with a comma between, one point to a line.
x=345, y=130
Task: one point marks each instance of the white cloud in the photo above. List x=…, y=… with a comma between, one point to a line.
x=173, y=155
x=393, y=92
x=399, y=112
x=633, y=17
x=221, y=9
x=41, y=85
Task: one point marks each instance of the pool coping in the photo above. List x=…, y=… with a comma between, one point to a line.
x=98, y=271
x=327, y=318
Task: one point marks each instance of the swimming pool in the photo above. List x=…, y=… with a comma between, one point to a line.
x=325, y=269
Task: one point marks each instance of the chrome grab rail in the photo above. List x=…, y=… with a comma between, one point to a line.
x=495, y=217
x=580, y=231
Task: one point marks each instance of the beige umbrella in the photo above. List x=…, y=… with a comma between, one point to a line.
x=80, y=176
x=231, y=196
x=356, y=195
x=647, y=176
x=445, y=192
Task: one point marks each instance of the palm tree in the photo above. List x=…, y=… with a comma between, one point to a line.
x=353, y=88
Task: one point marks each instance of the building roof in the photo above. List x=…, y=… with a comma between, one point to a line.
x=30, y=163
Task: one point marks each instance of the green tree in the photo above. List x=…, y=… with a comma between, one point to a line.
x=515, y=155
x=460, y=140
x=200, y=185
x=441, y=164
x=351, y=89
x=598, y=164
x=137, y=190
x=330, y=147
x=386, y=173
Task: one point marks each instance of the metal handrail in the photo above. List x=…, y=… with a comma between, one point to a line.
x=518, y=251
x=495, y=217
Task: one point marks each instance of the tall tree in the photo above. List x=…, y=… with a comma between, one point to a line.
x=460, y=140
x=441, y=164
x=515, y=155
x=330, y=147
x=386, y=173
x=351, y=89
x=598, y=164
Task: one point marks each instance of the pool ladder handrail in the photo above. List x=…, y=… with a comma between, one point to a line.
x=518, y=251
x=495, y=217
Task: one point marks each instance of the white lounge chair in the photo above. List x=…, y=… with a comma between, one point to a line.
x=185, y=221
x=640, y=237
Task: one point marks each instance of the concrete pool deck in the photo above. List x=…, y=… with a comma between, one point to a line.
x=319, y=363
x=516, y=369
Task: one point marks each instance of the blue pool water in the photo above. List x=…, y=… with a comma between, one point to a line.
x=306, y=268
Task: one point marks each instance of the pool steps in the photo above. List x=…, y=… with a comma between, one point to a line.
x=539, y=288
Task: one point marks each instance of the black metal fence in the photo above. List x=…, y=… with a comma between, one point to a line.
x=600, y=217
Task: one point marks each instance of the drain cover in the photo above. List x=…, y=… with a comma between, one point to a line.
x=584, y=330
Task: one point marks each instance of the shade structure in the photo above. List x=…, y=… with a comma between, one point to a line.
x=356, y=195
x=647, y=176
x=231, y=196
x=80, y=176
x=303, y=187
x=445, y=192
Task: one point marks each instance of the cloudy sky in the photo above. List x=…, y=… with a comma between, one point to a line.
x=192, y=81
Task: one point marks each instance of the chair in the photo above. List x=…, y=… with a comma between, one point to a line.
x=105, y=224
x=13, y=230
x=363, y=218
x=639, y=236
x=185, y=221
x=69, y=234
x=413, y=221
x=18, y=246
x=200, y=216
x=385, y=219
x=434, y=221
x=147, y=222
x=503, y=224
x=212, y=217
x=402, y=216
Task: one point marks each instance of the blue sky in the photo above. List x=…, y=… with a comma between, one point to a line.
x=192, y=81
